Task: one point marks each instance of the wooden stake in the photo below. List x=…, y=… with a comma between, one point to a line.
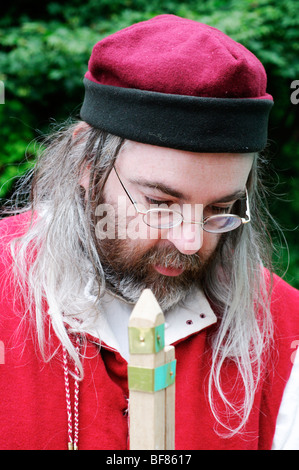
x=169, y=405
x=151, y=374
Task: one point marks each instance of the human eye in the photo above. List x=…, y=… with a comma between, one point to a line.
x=220, y=209
x=156, y=202
x=217, y=209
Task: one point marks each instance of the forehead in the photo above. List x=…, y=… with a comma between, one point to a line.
x=188, y=172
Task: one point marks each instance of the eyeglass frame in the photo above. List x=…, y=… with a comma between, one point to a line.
x=243, y=219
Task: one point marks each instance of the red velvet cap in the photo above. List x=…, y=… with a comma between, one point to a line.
x=154, y=79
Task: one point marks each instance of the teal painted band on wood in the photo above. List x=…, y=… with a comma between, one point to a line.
x=165, y=375
x=152, y=380
x=159, y=337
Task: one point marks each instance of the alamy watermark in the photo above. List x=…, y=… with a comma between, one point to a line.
x=121, y=222
x=295, y=94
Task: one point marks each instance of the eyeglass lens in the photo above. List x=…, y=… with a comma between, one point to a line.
x=167, y=219
x=222, y=224
x=162, y=219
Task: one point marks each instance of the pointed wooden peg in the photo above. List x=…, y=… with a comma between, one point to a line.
x=151, y=403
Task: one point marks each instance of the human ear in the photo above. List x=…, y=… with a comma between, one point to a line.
x=85, y=178
x=78, y=134
x=80, y=128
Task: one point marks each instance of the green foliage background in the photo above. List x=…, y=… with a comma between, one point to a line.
x=45, y=47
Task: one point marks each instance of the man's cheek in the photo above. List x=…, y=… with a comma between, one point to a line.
x=105, y=225
x=137, y=229
x=210, y=242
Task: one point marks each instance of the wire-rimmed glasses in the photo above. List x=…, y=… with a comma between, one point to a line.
x=161, y=218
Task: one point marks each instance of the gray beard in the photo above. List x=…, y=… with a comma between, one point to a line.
x=130, y=290
x=127, y=274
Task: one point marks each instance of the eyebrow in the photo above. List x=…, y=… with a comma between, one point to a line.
x=239, y=194
x=164, y=188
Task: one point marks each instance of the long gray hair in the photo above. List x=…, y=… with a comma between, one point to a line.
x=62, y=231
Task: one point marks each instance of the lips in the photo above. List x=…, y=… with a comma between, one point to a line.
x=168, y=271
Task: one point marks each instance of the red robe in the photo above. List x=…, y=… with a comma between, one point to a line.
x=32, y=393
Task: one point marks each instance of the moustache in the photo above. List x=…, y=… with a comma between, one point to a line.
x=171, y=257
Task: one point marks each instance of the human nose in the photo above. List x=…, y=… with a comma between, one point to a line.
x=186, y=237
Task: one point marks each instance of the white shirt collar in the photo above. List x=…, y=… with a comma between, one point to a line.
x=189, y=317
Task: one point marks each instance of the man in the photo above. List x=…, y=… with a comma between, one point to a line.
x=159, y=187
